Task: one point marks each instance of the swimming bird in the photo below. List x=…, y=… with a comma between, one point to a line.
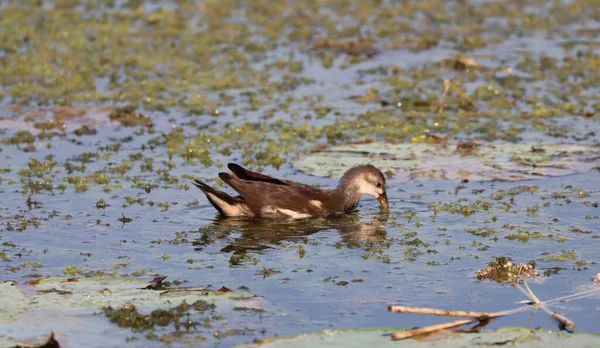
x=262, y=196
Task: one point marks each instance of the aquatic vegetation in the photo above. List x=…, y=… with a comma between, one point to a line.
x=482, y=115
x=500, y=161
x=131, y=297
x=501, y=269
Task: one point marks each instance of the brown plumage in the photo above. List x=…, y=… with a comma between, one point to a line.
x=264, y=196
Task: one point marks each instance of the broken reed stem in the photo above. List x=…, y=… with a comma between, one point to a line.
x=559, y=317
x=435, y=311
x=475, y=316
x=430, y=329
x=481, y=316
x=453, y=313
x=530, y=293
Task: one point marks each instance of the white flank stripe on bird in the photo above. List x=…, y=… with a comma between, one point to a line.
x=293, y=214
x=316, y=203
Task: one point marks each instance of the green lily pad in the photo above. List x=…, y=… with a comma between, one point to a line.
x=60, y=301
x=455, y=161
x=380, y=337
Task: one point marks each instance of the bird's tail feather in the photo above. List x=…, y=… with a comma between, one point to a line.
x=219, y=199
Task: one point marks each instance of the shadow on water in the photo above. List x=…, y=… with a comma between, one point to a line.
x=251, y=235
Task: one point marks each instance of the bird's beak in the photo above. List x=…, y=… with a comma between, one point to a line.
x=383, y=201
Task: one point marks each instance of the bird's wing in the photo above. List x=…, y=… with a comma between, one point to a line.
x=266, y=198
x=249, y=175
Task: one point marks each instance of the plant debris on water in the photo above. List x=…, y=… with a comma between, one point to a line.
x=501, y=269
x=483, y=116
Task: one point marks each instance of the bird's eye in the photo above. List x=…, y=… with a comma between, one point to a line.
x=378, y=185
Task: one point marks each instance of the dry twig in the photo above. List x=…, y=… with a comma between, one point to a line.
x=484, y=317
x=563, y=320
x=449, y=312
x=430, y=329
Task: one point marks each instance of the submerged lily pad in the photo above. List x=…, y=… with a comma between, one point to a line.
x=455, y=161
x=520, y=336
x=78, y=299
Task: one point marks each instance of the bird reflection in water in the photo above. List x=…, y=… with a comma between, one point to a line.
x=254, y=236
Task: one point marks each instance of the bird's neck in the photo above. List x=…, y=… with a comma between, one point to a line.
x=348, y=196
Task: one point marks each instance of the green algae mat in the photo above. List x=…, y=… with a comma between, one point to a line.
x=484, y=116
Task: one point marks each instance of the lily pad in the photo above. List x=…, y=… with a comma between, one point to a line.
x=77, y=300
x=455, y=161
x=380, y=337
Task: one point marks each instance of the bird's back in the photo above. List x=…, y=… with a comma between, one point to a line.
x=273, y=199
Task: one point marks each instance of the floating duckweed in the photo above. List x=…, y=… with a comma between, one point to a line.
x=301, y=251
x=482, y=231
x=72, y=271
x=101, y=204
x=79, y=184
x=48, y=125
x=128, y=117
x=565, y=255
x=85, y=130
x=21, y=137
